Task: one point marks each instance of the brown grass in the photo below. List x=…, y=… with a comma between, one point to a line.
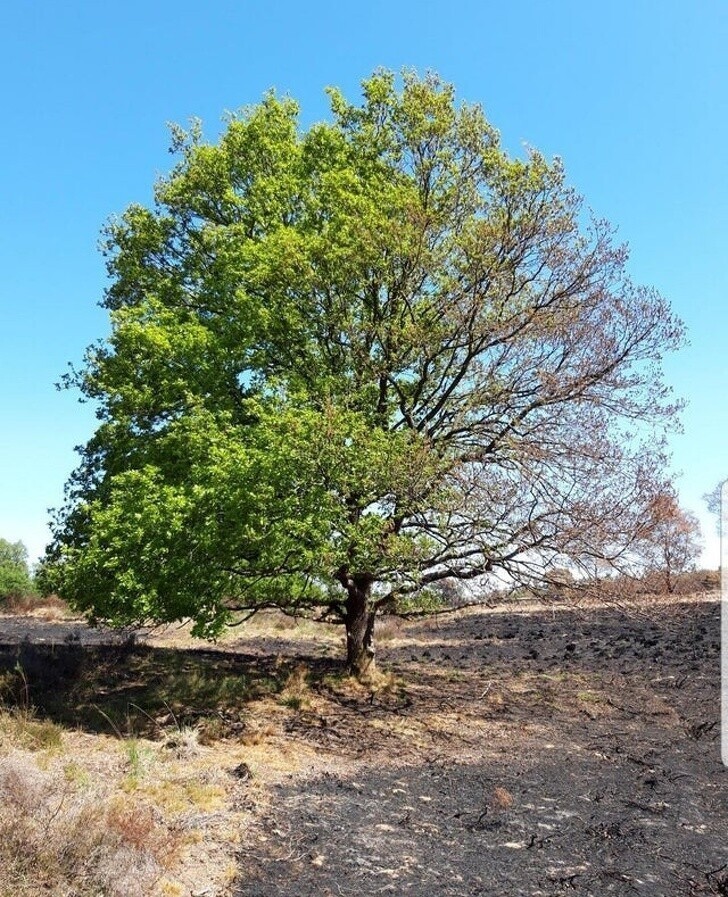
x=20, y=729
x=49, y=607
x=502, y=799
x=57, y=838
x=86, y=814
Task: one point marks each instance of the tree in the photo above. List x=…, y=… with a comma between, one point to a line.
x=671, y=540
x=351, y=363
x=15, y=579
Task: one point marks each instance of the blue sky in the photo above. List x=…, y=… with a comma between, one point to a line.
x=632, y=95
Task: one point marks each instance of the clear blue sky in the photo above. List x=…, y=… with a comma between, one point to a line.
x=632, y=94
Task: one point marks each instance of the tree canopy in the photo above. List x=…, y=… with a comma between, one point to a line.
x=350, y=363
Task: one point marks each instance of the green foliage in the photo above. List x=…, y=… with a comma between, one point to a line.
x=354, y=362
x=15, y=579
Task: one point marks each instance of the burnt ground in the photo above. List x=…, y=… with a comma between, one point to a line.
x=518, y=752
x=549, y=753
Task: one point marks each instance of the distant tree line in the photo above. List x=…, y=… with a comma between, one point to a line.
x=15, y=577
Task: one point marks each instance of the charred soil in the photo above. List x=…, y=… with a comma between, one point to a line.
x=528, y=753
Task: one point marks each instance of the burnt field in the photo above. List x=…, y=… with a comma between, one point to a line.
x=516, y=752
x=549, y=753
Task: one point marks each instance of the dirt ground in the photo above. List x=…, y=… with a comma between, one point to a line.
x=518, y=752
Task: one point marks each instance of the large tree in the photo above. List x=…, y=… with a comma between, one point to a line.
x=349, y=363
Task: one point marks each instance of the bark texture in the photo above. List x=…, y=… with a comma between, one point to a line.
x=359, y=620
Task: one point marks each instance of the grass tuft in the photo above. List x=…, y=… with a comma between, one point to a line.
x=296, y=692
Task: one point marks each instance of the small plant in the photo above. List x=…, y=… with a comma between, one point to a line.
x=184, y=741
x=295, y=702
x=502, y=799
x=296, y=691
x=138, y=759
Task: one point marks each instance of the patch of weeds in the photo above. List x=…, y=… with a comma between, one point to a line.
x=296, y=692
x=375, y=685
x=295, y=702
x=501, y=799
x=590, y=697
x=388, y=628
x=42, y=734
x=133, y=823
x=284, y=623
x=275, y=624
x=496, y=701
x=180, y=796
x=183, y=742
x=207, y=688
x=258, y=735
x=385, y=684
x=76, y=775
x=212, y=729
x=48, y=608
x=559, y=676
x=139, y=758
x=334, y=682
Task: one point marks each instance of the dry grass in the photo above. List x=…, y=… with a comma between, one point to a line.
x=20, y=729
x=49, y=607
x=296, y=692
x=263, y=626
x=388, y=629
x=501, y=799
x=89, y=815
x=58, y=838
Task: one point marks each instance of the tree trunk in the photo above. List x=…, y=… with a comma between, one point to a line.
x=359, y=624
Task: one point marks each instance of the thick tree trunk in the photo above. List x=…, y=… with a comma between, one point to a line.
x=359, y=622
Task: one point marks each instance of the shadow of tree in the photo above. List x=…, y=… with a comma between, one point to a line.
x=107, y=685
x=131, y=689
